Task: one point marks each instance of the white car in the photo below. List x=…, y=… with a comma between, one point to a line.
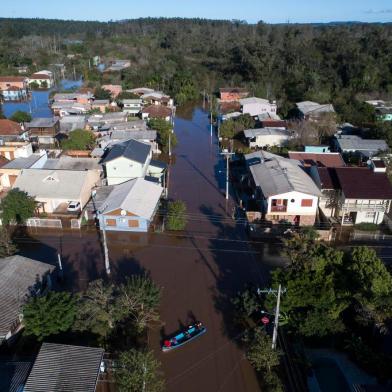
x=73, y=206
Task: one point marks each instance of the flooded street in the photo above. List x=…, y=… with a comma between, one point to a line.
x=199, y=271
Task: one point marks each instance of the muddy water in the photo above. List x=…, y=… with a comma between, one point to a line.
x=199, y=270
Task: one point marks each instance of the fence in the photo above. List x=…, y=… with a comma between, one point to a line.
x=49, y=223
x=76, y=223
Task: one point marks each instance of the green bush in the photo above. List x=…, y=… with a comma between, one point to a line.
x=367, y=227
x=176, y=216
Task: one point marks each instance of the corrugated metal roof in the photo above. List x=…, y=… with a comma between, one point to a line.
x=249, y=133
x=65, y=368
x=17, y=275
x=138, y=196
x=276, y=175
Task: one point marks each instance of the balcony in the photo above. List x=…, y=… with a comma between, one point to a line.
x=278, y=208
x=356, y=207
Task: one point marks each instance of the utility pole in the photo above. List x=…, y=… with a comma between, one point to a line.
x=105, y=250
x=211, y=117
x=170, y=145
x=227, y=155
x=276, y=323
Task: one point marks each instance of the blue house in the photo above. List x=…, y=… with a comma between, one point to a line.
x=130, y=206
x=317, y=149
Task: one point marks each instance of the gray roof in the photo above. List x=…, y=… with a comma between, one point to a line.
x=101, y=102
x=253, y=100
x=69, y=163
x=65, y=368
x=138, y=196
x=18, y=275
x=131, y=149
x=22, y=163
x=276, y=175
x=41, y=122
x=71, y=96
x=53, y=184
x=107, y=117
x=249, y=133
x=130, y=101
x=70, y=123
x=356, y=143
x=309, y=107
x=134, y=134
x=13, y=375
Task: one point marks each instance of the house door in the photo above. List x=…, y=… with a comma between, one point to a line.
x=297, y=220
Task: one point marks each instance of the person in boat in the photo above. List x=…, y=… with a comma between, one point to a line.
x=187, y=334
x=199, y=325
x=167, y=343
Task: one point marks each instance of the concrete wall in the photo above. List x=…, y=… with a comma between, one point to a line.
x=253, y=109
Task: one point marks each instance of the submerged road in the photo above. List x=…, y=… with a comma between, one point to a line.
x=199, y=271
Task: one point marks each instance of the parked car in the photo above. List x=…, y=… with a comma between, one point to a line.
x=73, y=206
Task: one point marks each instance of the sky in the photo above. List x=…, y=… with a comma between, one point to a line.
x=271, y=11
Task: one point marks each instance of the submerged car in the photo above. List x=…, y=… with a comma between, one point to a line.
x=73, y=206
x=183, y=337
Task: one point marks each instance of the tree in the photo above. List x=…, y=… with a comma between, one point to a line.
x=127, y=95
x=96, y=310
x=49, y=315
x=44, y=84
x=7, y=246
x=20, y=117
x=101, y=93
x=79, y=139
x=138, y=300
x=165, y=131
x=34, y=85
x=17, y=206
x=138, y=371
x=176, y=215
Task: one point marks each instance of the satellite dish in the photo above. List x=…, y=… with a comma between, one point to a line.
x=123, y=213
x=369, y=162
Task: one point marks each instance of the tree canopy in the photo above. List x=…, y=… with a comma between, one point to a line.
x=49, y=315
x=20, y=117
x=78, y=139
x=7, y=245
x=17, y=206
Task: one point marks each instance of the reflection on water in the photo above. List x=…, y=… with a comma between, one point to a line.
x=38, y=105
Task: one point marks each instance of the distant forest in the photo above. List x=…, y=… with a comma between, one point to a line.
x=339, y=63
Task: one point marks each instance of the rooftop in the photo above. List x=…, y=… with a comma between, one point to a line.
x=356, y=143
x=253, y=100
x=65, y=368
x=42, y=122
x=69, y=163
x=250, y=133
x=131, y=149
x=18, y=275
x=138, y=196
x=309, y=108
x=23, y=163
x=276, y=175
x=133, y=134
x=10, y=128
x=157, y=111
x=330, y=159
x=12, y=79
x=39, y=76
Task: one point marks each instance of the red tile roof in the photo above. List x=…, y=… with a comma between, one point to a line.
x=363, y=183
x=12, y=79
x=328, y=178
x=318, y=159
x=157, y=111
x=227, y=107
x=9, y=128
x=39, y=76
x=273, y=123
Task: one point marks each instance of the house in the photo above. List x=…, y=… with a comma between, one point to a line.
x=157, y=98
x=130, y=206
x=100, y=104
x=114, y=89
x=231, y=94
x=267, y=137
x=42, y=80
x=282, y=189
x=12, y=131
x=118, y=136
x=70, y=123
x=95, y=121
x=44, y=130
x=328, y=159
x=383, y=109
x=70, y=108
x=20, y=278
x=354, y=195
x=126, y=161
x=14, y=88
x=354, y=144
x=74, y=98
x=11, y=171
x=255, y=106
x=54, y=189
x=65, y=368
x=157, y=111
x=312, y=111
x=271, y=120
x=118, y=65
x=132, y=106
x=141, y=91
x=13, y=150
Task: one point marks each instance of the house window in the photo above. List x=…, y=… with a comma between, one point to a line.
x=111, y=222
x=306, y=203
x=370, y=214
x=133, y=223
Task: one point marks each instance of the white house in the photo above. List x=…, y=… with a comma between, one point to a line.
x=283, y=189
x=267, y=137
x=308, y=110
x=13, y=150
x=255, y=106
x=126, y=161
x=132, y=106
x=354, y=195
x=44, y=79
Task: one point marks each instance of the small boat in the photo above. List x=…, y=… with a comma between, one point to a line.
x=187, y=335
